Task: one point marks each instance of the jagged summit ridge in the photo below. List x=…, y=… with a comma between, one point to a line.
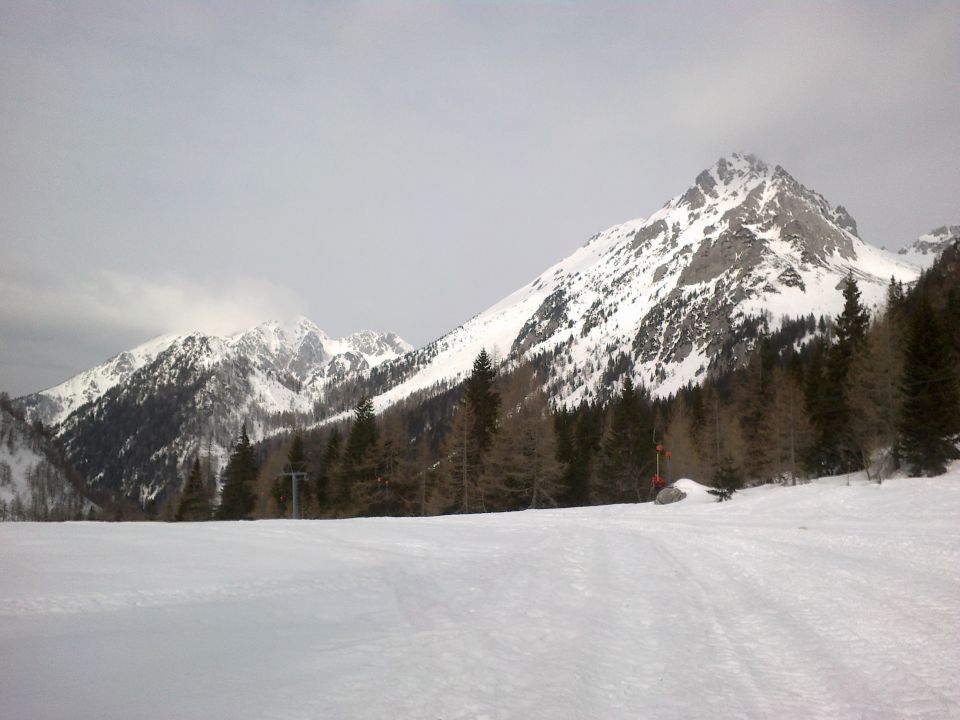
x=297, y=348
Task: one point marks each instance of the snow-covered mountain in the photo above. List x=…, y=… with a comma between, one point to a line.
x=666, y=299
x=929, y=246
x=131, y=423
x=292, y=353
x=665, y=295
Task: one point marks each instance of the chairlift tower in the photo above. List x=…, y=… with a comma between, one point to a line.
x=296, y=472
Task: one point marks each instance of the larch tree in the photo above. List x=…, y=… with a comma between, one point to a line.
x=460, y=465
x=790, y=433
x=687, y=459
x=522, y=470
x=875, y=398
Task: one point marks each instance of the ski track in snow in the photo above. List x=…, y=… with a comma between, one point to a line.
x=820, y=601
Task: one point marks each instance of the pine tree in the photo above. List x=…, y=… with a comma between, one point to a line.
x=579, y=434
x=839, y=446
x=237, y=499
x=363, y=432
x=628, y=453
x=328, y=490
x=726, y=479
x=852, y=325
x=359, y=470
x=929, y=420
x=755, y=393
x=194, y=500
x=483, y=400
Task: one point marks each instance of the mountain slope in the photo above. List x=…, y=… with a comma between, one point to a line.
x=35, y=481
x=672, y=294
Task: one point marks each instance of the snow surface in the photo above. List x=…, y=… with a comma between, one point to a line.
x=816, y=601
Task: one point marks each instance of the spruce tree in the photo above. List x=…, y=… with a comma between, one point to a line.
x=853, y=322
x=194, y=501
x=363, y=432
x=328, y=490
x=483, y=400
x=579, y=434
x=359, y=468
x=237, y=498
x=929, y=418
x=726, y=479
x=628, y=449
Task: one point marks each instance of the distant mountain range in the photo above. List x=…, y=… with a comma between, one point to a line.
x=667, y=299
x=131, y=423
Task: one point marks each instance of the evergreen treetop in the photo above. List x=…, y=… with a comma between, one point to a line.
x=237, y=499
x=483, y=400
x=194, y=501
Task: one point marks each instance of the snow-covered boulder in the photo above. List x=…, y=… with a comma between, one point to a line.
x=696, y=493
x=670, y=495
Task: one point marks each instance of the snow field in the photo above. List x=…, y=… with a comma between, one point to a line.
x=817, y=601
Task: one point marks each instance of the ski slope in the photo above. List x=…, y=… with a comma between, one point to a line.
x=817, y=601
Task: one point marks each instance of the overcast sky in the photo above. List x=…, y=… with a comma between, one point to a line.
x=402, y=166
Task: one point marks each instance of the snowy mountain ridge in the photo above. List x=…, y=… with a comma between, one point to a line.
x=666, y=294
x=298, y=348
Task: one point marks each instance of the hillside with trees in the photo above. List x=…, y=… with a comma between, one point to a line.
x=875, y=392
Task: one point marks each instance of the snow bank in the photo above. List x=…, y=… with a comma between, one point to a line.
x=815, y=601
x=696, y=493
